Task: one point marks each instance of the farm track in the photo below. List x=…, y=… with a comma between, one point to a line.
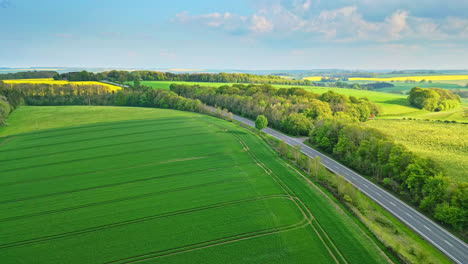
x=6, y=140
x=96, y=138
x=105, y=156
x=102, y=146
x=328, y=243
x=212, y=243
x=114, y=200
x=137, y=220
x=110, y=185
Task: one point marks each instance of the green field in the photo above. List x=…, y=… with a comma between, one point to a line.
x=166, y=187
x=446, y=143
x=392, y=104
x=403, y=87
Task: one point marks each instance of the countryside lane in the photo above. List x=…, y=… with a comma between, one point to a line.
x=451, y=246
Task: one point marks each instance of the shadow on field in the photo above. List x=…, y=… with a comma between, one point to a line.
x=398, y=101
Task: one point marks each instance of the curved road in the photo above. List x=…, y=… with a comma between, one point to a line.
x=450, y=245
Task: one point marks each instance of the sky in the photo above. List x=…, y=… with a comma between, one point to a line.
x=242, y=34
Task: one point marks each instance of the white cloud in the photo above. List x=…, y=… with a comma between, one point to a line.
x=260, y=24
x=396, y=23
x=343, y=24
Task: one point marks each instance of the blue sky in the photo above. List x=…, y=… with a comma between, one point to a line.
x=243, y=34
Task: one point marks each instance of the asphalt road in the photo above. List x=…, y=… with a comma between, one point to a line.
x=448, y=244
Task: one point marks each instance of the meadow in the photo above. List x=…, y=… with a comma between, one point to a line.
x=110, y=87
x=446, y=143
x=160, y=186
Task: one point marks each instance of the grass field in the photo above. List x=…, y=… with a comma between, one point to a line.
x=60, y=82
x=445, y=143
x=175, y=188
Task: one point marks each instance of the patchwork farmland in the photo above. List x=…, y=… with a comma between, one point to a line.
x=170, y=189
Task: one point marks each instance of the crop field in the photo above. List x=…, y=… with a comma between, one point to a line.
x=60, y=82
x=414, y=78
x=445, y=143
x=176, y=188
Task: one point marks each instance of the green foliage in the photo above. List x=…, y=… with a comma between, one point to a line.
x=445, y=143
x=28, y=75
x=4, y=110
x=433, y=99
x=261, y=122
x=291, y=110
x=372, y=153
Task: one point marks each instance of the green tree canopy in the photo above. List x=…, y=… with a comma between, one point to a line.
x=261, y=122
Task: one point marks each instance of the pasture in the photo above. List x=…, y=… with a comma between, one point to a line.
x=165, y=187
x=446, y=143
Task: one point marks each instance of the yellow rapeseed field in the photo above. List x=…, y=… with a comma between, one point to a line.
x=414, y=78
x=314, y=78
x=60, y=82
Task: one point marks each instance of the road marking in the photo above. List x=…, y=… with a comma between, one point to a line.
x=379, y=194
x=427, y=228
x=409, y=215
x=393, y=204
x=365, y=185
x=448, y=243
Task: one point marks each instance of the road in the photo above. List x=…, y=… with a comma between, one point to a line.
x=448, y=244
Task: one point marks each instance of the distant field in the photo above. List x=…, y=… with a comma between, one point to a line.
x=57, y=82
x=392, y=104
x=445, y=143
x=314, y=78
x=414, y=78
x=176, y=188
x=406, y=87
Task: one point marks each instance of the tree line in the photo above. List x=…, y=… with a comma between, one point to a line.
x=433, y=99
x=419, y=180
x=290, y=110
x=28, y=75
x=12, y=97
x=124, y=76
x=137, y=76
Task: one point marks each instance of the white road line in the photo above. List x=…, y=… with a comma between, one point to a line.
x=427, y=228
x=379, y=194
x=365, y=185
x=409, y=215
x=448, y=243
x=393, y=204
